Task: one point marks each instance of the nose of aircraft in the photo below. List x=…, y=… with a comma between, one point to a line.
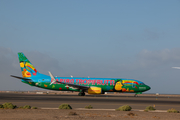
x=148, y=88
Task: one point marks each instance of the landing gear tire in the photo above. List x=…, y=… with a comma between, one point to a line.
x=81, y=94
x=135, y=95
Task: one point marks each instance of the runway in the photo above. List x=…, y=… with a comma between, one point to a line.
x=97, y=101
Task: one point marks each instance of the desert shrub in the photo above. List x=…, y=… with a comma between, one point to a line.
x=27, y=107
x=65, y=106
x=1, y=106
x=21, y=107
x=72, y=113
x=131, y=114
x=150, y=108
x=34, y=108
x=9, y=106
x=89, y=107
x=172, y=110
x=124, y=108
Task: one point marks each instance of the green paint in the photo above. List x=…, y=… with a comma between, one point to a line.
x=105, y=88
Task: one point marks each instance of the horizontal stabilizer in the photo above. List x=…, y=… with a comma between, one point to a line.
x=19, y=77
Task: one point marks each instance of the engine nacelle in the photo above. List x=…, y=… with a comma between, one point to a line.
x=95, y=90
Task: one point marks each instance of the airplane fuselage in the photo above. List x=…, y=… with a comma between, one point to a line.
x=106, y=84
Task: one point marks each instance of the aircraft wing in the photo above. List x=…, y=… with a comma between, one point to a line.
x=74, y=86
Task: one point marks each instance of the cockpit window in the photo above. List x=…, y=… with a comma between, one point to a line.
x=142, y=84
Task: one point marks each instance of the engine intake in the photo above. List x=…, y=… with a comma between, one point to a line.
x=95, y=90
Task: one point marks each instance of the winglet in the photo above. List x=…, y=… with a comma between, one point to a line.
x=52, y=78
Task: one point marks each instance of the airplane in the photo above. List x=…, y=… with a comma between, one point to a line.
x=176, y=67
x=32, y=77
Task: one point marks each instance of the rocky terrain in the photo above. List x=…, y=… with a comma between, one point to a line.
x=56, y=114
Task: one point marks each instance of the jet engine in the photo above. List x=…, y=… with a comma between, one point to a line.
x=95, y=90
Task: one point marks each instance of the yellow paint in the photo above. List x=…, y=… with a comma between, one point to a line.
x=27, y=74
x=23, y=74
x=94, y=90
x=118, y=86
x=22, y=64
x=131, y=90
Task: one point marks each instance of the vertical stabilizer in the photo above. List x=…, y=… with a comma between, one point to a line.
x=28, y=70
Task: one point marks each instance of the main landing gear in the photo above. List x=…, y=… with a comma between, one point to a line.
x=135, y=95
x=81, y=94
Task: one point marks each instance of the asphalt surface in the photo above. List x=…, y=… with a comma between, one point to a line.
x=97, y=101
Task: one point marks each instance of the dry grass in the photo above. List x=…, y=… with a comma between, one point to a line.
x=172, y=110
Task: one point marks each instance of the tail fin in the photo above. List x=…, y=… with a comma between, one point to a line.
x=28, y=70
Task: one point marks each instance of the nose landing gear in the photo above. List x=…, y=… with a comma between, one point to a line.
x=136, y=95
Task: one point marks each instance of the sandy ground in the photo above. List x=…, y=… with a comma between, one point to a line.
x=51, y=114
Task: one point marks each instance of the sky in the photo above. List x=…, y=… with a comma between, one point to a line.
x=114, y=39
